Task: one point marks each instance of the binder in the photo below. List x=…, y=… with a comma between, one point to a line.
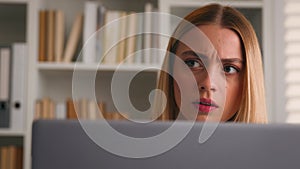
x=4, y=114
x=19, y=69
x=4, y=86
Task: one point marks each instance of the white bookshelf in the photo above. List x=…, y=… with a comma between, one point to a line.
x=54, y=80
x=13, y=21
x=9, y=132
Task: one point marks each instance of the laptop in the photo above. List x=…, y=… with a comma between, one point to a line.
x=67, y=144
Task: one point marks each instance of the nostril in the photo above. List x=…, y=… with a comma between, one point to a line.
x=213, y=89
x=204, y=88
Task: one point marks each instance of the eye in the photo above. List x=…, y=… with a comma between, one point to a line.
x=230, y=69
x=193, y=63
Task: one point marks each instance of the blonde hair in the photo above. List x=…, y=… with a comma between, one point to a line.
x=253, y=107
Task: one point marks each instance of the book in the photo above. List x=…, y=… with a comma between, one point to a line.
x=74, y=38
x=59, y=35
x=4, y=157
x=100, y=33
x=60, y=111
x=121, y=47
x=111, y=36
x=5, y=57
x=101, y=110
x=50, y=35
x=11, y=157
x=38, y=109
x=45, y=107
x=83, y=108
x=147, y=31
x=71, y=113
x=42, y=35
x=131, y=40
x=139, y=39
x=51, y=112
x=89, y=29
x=18, y=87
x=101, y=10
x=19, y=158
x=155, y=45
x=92, y=110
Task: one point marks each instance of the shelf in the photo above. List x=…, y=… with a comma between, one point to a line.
x=9, y=132
x=13, y=1
x=93, y=67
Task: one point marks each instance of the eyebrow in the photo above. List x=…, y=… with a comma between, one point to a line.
x=202, y=56
x=192, y=53
x=232, y=60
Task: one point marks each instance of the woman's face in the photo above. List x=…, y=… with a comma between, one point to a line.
x=208, y=91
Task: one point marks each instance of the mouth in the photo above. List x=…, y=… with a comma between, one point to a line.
x=205, y=106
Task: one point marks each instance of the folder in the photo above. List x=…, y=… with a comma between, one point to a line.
x=4, y=86
x=18, y=87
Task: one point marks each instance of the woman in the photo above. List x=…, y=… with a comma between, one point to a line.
x=231, y=38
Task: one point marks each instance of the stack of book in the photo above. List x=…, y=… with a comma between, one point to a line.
x=52, y=33
x=109, y=36
x=11, y=157
x=13, y=67
x=84, y=109
x=124, y=37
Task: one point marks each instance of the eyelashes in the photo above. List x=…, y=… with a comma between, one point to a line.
x=196, y=64
x=230, y=69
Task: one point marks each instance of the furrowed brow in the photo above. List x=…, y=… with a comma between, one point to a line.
x=192, y=53
x=232, y=60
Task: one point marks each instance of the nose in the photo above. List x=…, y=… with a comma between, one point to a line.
x=206, y=83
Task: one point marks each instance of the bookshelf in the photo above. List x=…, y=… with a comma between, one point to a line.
x=13, y=21
x=54, y=80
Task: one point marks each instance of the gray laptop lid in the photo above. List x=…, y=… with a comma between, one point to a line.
x=58, y=144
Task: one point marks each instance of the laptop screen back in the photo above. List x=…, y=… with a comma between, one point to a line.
x=63, y=144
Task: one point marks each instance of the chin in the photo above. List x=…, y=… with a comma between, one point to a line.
x=201, y=118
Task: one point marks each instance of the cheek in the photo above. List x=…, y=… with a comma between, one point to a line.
x=233, y=97
x=185, y=88
x=185, y=95
x=176, y=93
x=234, y=93
x=181, y=84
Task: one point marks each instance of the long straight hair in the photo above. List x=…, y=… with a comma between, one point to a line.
x=253, y=106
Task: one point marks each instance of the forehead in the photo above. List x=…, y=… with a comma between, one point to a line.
x=212, y=39
x=197, y=41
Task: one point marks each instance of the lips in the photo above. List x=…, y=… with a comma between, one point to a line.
x=205, y=105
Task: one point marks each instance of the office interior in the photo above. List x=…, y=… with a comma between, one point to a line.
x=276, y=22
